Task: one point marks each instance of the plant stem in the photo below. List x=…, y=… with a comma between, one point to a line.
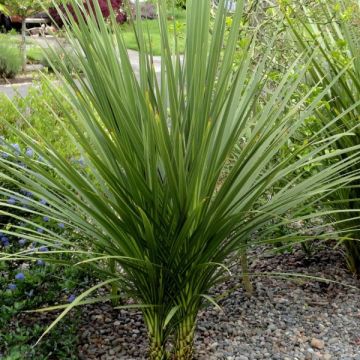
x=114, y=288
x=245, y=272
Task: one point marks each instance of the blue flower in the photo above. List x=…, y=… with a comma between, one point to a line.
x=43, y=202
x=4, y=155
x=61, y=225
x=40, y=262
x=20, y=276
x=43, y=249
x=5, y=241
x=12, y=286
x=46, y=218
x=71, y=298
x=22, y=242
x=27, y=193
x=16, y=147
x=81, y=161
x=29, y=152
x=11, y=201
x=40, y=230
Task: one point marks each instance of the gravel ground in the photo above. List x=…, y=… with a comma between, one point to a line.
x=283, y=320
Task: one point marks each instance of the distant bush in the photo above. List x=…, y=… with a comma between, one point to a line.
x=10, y=60
x=54, y=61
x=34, y=54
x=104, y=8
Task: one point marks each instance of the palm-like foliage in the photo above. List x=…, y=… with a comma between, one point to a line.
x=336, y=36
x=150, y=211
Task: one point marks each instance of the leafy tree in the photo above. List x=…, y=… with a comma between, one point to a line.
x=23, y=8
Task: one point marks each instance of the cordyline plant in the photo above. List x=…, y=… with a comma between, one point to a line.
x=337, y=38
x=150, y=212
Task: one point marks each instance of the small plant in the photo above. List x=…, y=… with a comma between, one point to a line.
x=10, y=61
x=35, y=54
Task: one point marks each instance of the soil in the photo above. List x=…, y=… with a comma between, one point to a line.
x=18, y=80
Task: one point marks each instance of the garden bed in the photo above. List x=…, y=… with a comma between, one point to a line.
x=285, y=319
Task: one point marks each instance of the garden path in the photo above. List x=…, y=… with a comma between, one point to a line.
x=22, y=89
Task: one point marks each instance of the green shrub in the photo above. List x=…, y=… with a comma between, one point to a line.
x=55, y=60
x=37, y=115
x=34, y=116
x=336, y=37
x=10, y=60
x=35, y=54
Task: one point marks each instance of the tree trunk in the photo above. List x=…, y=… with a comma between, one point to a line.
x=185, y=339
x=154, y=323
x=157, y=351
x=23, y=44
